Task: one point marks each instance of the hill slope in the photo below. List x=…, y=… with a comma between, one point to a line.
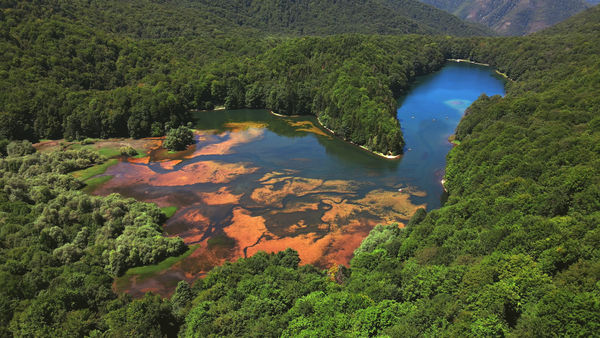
x=200, y=18
x=512, y=17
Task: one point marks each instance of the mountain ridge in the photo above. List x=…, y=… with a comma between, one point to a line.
x=512, y=17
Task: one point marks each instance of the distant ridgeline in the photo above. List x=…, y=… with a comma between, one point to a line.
x=514, y=251
x=512, y=17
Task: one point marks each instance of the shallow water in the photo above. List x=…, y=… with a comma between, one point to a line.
x=254, y=181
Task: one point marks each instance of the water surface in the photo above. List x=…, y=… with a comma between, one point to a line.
x=254, y=181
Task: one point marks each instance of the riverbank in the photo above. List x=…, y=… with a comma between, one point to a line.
x=504, y=75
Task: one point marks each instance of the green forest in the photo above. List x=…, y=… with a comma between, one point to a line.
x=513, y=252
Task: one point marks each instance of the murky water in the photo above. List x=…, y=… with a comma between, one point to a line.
x=254, y=181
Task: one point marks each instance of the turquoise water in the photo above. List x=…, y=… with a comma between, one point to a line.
x=254, y=181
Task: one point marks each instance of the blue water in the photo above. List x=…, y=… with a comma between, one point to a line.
x=429, y=114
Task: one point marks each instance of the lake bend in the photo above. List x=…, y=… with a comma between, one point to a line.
x=258, y=182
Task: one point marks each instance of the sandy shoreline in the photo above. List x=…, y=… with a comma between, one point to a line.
x=504, y=75
x=468, y=61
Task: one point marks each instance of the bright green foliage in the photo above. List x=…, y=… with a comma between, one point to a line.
x=179, y=139
x=60, y=248
x=128, y=151
x=19, y=148
x=169, y=211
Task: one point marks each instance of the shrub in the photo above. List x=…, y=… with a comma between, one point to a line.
x=128, y=151
x=179, y=139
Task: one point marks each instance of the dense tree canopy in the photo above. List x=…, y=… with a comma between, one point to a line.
x=514, y=250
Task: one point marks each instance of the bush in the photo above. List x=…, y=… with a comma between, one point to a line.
x=128, y=151
x=19, y=148
x=179, y=139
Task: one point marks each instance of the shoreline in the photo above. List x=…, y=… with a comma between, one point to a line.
x=387, y=157
x=468, y=61
x=281, y=115
x=216, y=108
x=504, y=75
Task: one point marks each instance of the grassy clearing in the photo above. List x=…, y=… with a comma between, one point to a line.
x=93, y=183
x=140, y=153
x=110, y=152
x=90, y=172
x=169, y=211
x=167, y=263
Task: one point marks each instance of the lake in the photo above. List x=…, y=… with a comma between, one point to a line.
x=254, y=181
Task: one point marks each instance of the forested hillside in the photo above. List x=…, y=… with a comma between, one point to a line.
x=512, y=17
x=513, y=252
x=167, y=19
x=63, y=79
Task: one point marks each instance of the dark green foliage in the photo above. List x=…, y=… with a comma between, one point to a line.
x=208, y=19
x=105, y=86
x=150, y=316
x=179, y=139
x=334, y=17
